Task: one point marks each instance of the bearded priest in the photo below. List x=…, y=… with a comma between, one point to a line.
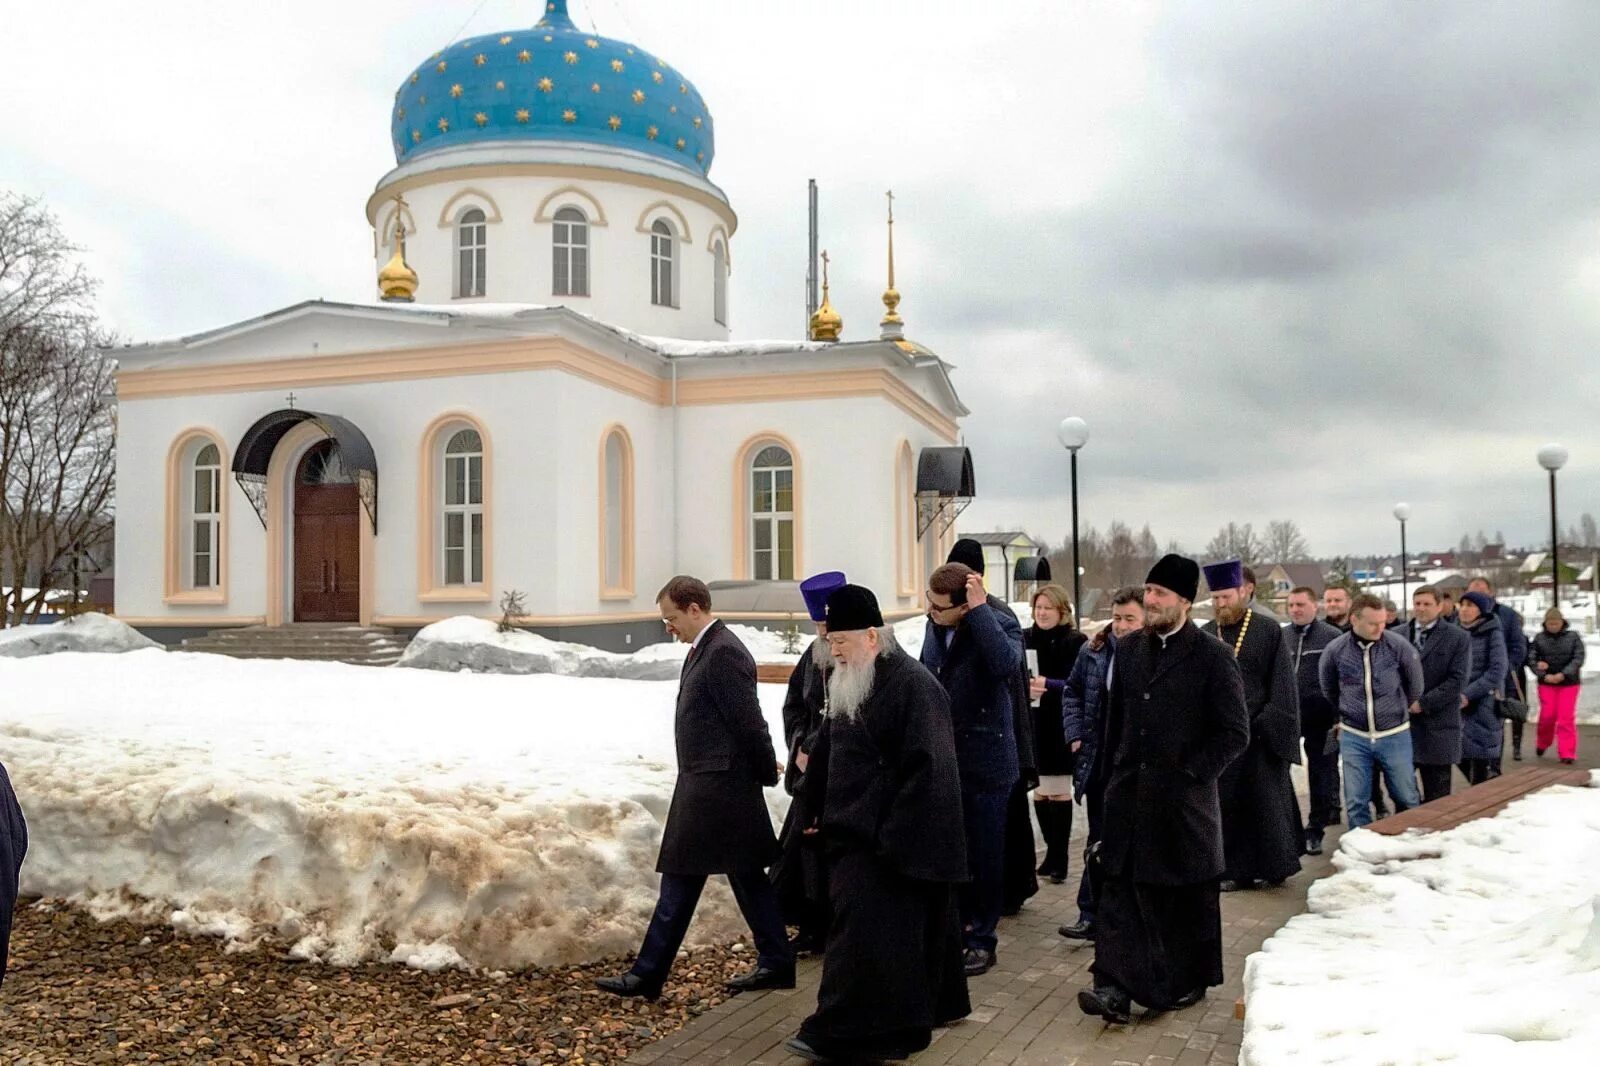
x=888, y=821
x=1262, y=834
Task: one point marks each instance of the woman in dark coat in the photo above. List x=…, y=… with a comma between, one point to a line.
x=1557, y=657
x=13, y=845
x=1055, y=643
x=1482, y=732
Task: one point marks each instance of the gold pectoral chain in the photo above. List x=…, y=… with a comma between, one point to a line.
x=1243, y=629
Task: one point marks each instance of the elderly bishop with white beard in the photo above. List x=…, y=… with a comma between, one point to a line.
x=888, y=821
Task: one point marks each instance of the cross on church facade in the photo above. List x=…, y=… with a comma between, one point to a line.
x=290, y=401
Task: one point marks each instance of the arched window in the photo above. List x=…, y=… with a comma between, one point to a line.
x=719, y=291
x=205, y=519
x=663, y=264
x=461, y=516
x=772, y=514
x=570, y=270
x=616, y=515
x=472, y=252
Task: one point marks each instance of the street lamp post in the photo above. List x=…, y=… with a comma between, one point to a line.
x=1553, y=457
x=1074, y=434
x=1402, y=511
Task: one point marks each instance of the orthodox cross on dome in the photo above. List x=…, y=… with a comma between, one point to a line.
x=892, y=327
x=289, y=399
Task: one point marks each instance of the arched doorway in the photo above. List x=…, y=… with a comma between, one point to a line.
x=327, y=538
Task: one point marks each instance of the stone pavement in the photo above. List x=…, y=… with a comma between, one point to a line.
x=1025, y=1010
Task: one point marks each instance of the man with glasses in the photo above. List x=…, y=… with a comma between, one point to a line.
x=976, y=653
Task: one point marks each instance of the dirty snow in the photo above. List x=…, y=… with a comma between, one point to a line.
x=88, y=632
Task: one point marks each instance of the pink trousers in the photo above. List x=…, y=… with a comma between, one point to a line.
x=1558, y=719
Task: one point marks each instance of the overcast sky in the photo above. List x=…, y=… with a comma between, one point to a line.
x=1289, y=260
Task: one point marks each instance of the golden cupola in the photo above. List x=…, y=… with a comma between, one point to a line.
x=826, y=324
x=397, y=282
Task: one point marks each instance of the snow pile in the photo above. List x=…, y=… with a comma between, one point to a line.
x=1479, y=946
x=89, y=632
x=426, y=818
x=476, y=644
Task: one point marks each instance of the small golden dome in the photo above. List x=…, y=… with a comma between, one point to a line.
x=397, y=282
x=826, y=323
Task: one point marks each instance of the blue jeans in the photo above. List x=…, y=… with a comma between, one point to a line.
x=1361, y=756
x=983, y=897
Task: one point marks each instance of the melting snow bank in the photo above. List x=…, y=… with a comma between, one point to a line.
x=1479, y=946
x=426, y=818
x=468, y=643
x=85, y=632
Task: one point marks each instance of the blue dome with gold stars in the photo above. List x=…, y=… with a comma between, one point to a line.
x=552, y=83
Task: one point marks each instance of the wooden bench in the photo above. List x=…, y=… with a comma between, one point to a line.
x=1478, y=801
x=774, y=673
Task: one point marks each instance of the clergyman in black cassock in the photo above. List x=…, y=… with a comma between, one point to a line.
x=891, y=830
x=1175, y=719
x=13, y=846
x=1262, y=834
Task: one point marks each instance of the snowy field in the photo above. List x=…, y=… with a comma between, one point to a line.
x=1479, y=946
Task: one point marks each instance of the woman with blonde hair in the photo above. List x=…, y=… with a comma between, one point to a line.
x=1055, y=642
x=1557, y=654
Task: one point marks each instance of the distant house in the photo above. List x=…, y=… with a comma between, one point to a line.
x=1492, y=554
x=1454, y=584
x=1274, y=581
x=1000, y=554
x=1441, y=560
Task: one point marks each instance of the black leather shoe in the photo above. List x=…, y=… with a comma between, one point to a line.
x=802, y=1050
x=761, y=978
x=1108, y=1002
x=1313, y=843
x=628, y=984
x=1189, y=998
x=1078, y=930
x=1231, y=886
x=977, y=961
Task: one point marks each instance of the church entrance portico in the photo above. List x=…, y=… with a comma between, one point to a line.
x=313, y=481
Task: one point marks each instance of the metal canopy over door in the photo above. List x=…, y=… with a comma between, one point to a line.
x=327, y=538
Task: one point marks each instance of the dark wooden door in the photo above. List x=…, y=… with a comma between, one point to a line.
x=327, y=542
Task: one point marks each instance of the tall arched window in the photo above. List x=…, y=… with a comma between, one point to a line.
x=205, y=519
x=571, y=249
x=462, y=510
x=472, y=252
x=719, y=291
x=772, y=514
x=616, y=514
x=663, y=264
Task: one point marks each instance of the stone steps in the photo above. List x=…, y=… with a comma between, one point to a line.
x=356, y=645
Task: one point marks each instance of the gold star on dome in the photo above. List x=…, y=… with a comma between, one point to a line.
x=444, y=125
x=548, y=38
x=506, y=39
x=545, y=85
x=522, y=114
x=524, y=55
x=594, y=87
x=442, y=66
x=638, y=96
x=701, y=157
x=652, y=133
x=422, y=101
x=614, y=122
x=481, y=119
x=455, y=91
x=661, y=62
x=416, y=136
x=466, y=44
x=680, y=144
x=655, y=76
x=436, y=55
x=569, y=115
x=698, y=122
x=673, y=109
x=414, y=78
x=682, y=88
x=592, y=43
x=480, y=59
x=500, y=85
x=630, y=51
x=571, y=58
x=400, y=113
x=616, y=65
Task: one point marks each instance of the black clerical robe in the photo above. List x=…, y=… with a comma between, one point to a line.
x=797, y=874
x=888, y=794
x=1262, y=832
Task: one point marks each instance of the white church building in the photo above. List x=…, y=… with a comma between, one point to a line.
x=543, y=396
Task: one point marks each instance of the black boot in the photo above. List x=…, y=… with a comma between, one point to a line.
x=1055, y=825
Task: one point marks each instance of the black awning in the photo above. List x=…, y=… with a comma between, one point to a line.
x=254, y=455
x=946, y=472
x=1032, y=568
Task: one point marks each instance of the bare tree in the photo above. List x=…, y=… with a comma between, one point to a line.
x=1284, y=543
x=57, y=409
x=1591, y=532
x=1235, y=541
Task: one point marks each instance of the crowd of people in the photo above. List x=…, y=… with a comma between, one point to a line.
x=909, y=837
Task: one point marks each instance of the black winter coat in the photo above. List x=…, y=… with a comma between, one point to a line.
x=1175, y=721
x=1057, y=650
x=1562, y=653
x=1317, y=715
x=981, y=672
x=803, y=706
x=718, y=822
x=1446, y=666
x=13, y=846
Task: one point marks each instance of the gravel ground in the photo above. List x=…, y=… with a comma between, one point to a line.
x=83, y=992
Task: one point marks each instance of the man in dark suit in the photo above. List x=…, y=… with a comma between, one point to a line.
x=718, y=821
x=1175, y=721
x=1307, y=636
x=1446, y=665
